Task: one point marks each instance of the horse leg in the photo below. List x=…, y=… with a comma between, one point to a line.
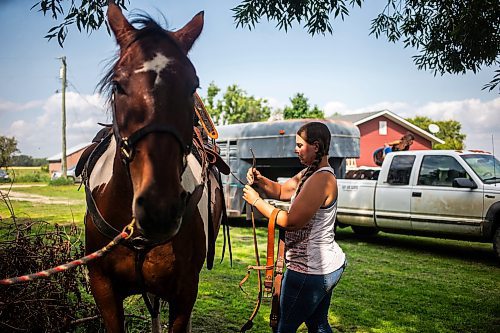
x=180, y=311
x=179, y=320
x=155, y=316
x=156, y=324
x=110, y=304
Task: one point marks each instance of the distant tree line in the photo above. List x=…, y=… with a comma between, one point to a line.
x=28, y=161
x=8, y=157
x=235, y=106
x=450, y=131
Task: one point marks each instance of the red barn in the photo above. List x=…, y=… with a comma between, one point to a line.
x=379, y=127
x=72, y=156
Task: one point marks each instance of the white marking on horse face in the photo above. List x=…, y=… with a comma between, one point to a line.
x=157, y=65
x=103, y=169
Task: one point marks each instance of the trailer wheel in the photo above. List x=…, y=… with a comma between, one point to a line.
x=364, y=231
x=496, y=242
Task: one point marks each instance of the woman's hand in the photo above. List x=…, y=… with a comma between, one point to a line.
x=250, y=195
x=253, y=175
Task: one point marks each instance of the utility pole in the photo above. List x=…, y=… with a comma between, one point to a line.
x=64, y=166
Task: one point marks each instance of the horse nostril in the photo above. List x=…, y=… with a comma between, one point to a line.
x=140, y=201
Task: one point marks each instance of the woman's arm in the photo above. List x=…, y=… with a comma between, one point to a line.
x=272, y=189
x=392, y=143
x=318, y=190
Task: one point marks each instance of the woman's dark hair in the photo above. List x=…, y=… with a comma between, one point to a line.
x=408, y=136
x=405, y=141
x=314, y=132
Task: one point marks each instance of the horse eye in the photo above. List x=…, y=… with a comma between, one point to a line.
x=118, y=88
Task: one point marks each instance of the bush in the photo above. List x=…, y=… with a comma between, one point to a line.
x=44, y=305
x=36, y=177
x=61, y=181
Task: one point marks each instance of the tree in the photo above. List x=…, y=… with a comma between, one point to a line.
x=452, y=36
x=26, y=160
x=235, y=106
x=86, y=14
x=300, y=109
x=449, y=132
x=8, y=146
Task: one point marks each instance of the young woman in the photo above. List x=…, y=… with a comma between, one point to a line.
x=398, y=145
x=314, y=261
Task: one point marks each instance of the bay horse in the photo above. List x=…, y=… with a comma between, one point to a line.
x=143, y=172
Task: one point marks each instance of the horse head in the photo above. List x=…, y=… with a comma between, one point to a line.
x=153, y=83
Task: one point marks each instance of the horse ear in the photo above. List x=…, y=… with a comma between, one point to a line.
x=122, y=29
x=190, y=32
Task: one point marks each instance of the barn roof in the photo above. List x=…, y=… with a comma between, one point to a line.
x=360, y=118
x=69, y=151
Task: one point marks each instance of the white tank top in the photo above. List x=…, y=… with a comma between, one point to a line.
x=313, y=249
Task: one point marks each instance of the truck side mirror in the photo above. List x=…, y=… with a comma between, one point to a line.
x=464, y=183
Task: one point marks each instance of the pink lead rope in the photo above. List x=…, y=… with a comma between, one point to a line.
x=82, y=261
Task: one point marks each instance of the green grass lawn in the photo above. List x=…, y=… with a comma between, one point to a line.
x=392, y=283
x=71, y=211
x=28, y=174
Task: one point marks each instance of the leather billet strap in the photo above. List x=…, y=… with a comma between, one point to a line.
x=278, y=276
x=268, y=282
x=269, y=267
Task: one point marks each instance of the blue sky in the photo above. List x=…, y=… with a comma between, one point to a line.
x=346, y=72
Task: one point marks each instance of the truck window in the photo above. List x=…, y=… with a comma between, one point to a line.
x=400, y=170
x=439, y=170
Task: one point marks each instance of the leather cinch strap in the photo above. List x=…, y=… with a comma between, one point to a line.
x=270, y=273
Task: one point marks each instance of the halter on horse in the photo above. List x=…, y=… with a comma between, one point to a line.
x=143, y=170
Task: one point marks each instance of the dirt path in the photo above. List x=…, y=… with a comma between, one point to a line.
x=19, y=196
x=7, y=186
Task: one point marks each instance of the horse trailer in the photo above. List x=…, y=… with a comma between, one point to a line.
x=273, y=144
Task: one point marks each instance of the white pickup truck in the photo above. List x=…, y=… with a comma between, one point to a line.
x=437, y=193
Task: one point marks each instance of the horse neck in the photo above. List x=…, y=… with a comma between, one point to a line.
x=114, y=199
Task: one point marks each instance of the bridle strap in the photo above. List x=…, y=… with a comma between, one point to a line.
x=127, y=144
x=152, y=128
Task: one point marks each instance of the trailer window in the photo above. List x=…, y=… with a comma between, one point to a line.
x=400, y=170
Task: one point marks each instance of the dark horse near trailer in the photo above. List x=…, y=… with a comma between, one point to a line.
x=143, y=171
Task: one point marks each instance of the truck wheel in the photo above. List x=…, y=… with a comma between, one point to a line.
x=365, y=231
x=496, y=242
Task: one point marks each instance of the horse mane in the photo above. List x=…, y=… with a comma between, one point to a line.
x=147, y=27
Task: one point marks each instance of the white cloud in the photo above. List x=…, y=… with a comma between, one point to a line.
x=8, y=106
x=275, y=103
x=331, y=108
x=39, y=134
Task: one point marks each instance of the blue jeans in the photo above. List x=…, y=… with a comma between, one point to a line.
x=306, y=298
